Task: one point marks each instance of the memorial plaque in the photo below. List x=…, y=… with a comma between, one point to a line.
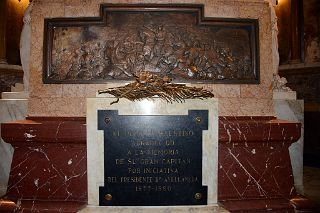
x=152, y=160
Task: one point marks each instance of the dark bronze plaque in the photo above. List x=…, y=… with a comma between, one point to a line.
x=152, y=160
x=169, y=40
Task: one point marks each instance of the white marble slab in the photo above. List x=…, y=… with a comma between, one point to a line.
x=156, y=107
x=10, y=110
x=14, y=95
x=148, y=209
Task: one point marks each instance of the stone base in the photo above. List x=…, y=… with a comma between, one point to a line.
x=254, y=165
x=151, y=209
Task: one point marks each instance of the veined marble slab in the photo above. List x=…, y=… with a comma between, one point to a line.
x=10, y=110
x=95, y=149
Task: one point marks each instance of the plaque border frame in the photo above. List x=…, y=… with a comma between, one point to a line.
x=95, y=161
x=189, y=117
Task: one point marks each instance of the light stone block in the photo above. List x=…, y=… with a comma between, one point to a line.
x=289, y=95
x=95, y=146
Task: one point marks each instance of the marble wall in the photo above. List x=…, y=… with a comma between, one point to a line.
x=234, y=100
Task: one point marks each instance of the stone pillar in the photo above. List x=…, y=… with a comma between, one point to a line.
x=3, y=20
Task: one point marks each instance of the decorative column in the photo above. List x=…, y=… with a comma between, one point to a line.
x=3, y=17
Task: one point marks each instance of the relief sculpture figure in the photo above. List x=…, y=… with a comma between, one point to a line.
x=120, y=53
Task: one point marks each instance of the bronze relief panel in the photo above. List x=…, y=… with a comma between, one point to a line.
x=167, y=40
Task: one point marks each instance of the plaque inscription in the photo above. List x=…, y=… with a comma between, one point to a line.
x=152, y=160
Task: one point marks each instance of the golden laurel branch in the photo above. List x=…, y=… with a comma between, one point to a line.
x=148, y=85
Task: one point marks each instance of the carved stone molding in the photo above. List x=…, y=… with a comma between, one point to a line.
x=168, y=40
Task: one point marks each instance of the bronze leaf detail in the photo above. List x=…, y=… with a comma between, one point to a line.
x=148, y=85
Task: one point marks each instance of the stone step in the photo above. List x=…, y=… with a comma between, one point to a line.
x=15, y=95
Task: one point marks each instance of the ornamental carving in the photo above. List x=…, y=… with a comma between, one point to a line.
x=148, y=86
x=168, y=40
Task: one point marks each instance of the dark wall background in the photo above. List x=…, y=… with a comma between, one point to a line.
x=312, y=30
x=303, y=74
x=15, y=11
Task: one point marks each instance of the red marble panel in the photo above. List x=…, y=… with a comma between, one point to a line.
x=254, y=159
x=49, y=164
x=49, y=171
x=45, y=130
x=31, y=206
x=254, y=172
x=261, y=130
x=259, y=205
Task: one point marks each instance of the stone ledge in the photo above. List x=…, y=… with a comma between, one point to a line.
x=14, y=95
x=151, y=209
